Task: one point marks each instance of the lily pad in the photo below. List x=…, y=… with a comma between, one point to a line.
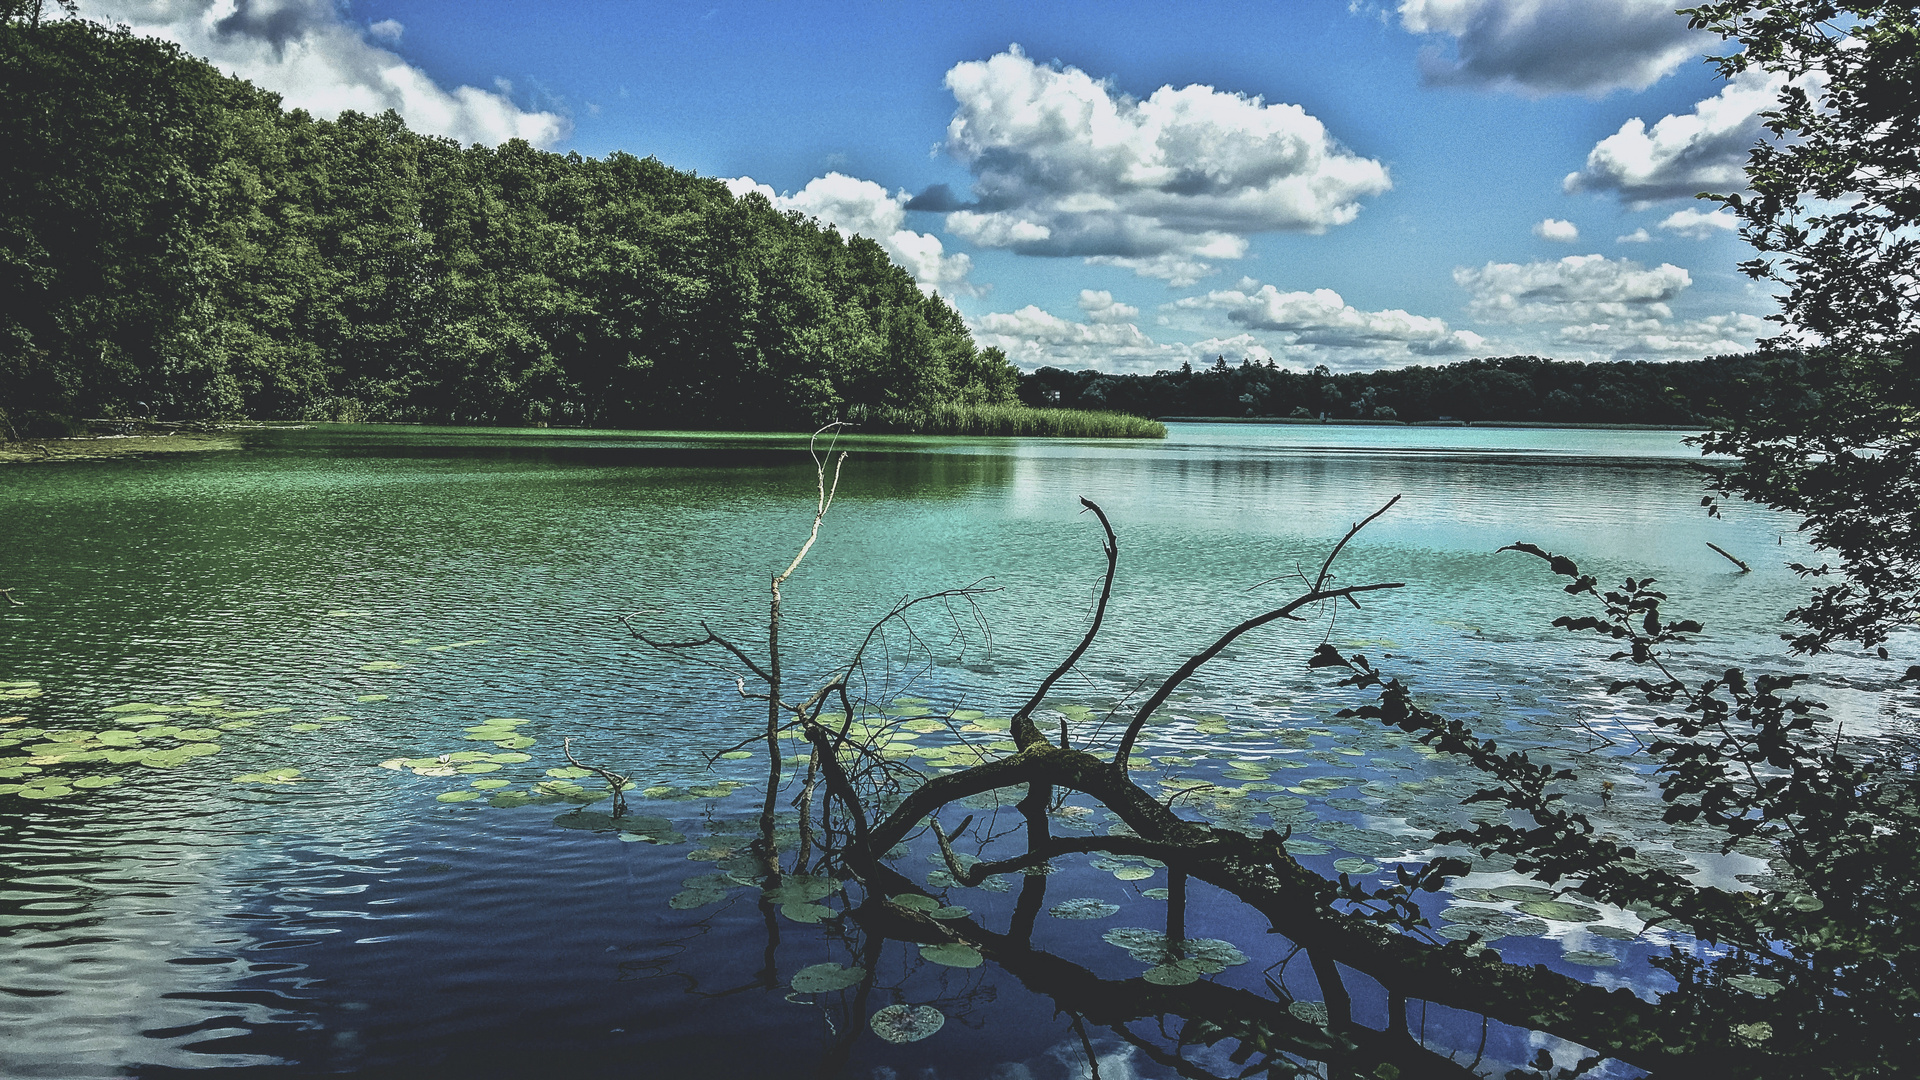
x=382, y=665
x=907, y=1023
x=805, y=913
x=97, y=781
x=826, y=978
x=736, y=755
x=1174, y=973
x=949, y=912
x=1753, y=984
x=915, y=902
x=1133, y=873
x=1313, y=1012
x=457, y=796
x=371, y=697
x=1083, y=908
x=952, y=954
x=1560, y=910
x=1586, y=958
x=1521, y=892
x=1355, y=866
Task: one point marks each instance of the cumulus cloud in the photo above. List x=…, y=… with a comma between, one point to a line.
x=862, y=207
x=1540, y=47
x=308, y=53
x=1682, y=155
x=1064, y=165
x=1563, y=232
x=1637, y=236
x=1578, y=288
x=1657, y=339
x=1698, y=226
x=1101, y=307
x=1322, y=318
x=1034, y=338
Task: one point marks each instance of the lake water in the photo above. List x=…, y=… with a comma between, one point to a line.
x=327, y=600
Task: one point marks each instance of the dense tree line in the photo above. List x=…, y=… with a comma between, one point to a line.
x=173, y=243
x=1525, y=388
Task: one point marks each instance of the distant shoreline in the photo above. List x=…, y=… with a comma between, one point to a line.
x=1425, y=423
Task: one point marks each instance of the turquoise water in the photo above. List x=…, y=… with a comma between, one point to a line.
x=387, y=589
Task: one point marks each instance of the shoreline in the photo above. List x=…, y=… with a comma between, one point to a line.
x=1426, y=423
x=104, y=447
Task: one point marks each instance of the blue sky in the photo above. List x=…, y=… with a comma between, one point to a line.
x=1129, y=186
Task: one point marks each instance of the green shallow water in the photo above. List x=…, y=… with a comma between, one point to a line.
x=387, y=589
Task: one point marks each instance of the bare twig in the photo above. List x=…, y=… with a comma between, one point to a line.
x=614, y=780
x=1024, y=731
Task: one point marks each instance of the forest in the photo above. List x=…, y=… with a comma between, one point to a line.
x=175, y=244
x=1503, y=389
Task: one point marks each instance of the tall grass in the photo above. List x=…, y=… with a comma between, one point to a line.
x=955, y=419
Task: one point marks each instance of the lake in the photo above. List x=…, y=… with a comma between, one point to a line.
x=239, y=671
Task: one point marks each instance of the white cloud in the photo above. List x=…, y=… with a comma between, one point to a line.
x=1034, y=338
x=1064, y=165
x=1657, y=339
x=1683, y=155
x=1323, y=319
x=1552, y=46
x=307, y=52
x=1637, y=236
x=1563, y=232
x=1578, y=288
x=1101, y=307
x=1698, y=226
x=862, y=207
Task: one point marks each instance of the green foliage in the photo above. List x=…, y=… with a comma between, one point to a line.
x=949, y=418
x=1832, y=209
x=1828, y=960
x=174, y=244
x=1505, y=389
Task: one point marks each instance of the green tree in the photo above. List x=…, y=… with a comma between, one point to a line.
x=1833, y=208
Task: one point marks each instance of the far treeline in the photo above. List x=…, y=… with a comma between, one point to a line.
x=1506, y=389
x=174, y=244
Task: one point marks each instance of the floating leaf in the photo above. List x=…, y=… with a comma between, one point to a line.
x=805, y=913
x=1591, y=959
x=1173, y=973
x=571, y=772
x=371, y=697
x=457, y=796
x=949, y=912
x=907, y=1023
x=1083, y=908
x=952, y=954
x=1134, y=873
x=688, y=899
x=1521, y=892
x=509, y=758
x=915, y=902
x=1154, y=894
x=97, y=781
x=382, y=665
x=1313, y=1012
x=1355, y=866
x=1754, y=984
x=736, y=755
x=478, y=767
x=271, y=776
x=826, y=978
x=1559, y=910
x=490, y=784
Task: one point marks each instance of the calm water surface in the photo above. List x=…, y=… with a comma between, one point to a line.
x=381, y=590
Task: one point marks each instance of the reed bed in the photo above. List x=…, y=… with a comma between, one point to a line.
x=1006, y=420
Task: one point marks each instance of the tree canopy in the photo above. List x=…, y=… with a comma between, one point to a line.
x=1832, y=210
x=176, y=244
